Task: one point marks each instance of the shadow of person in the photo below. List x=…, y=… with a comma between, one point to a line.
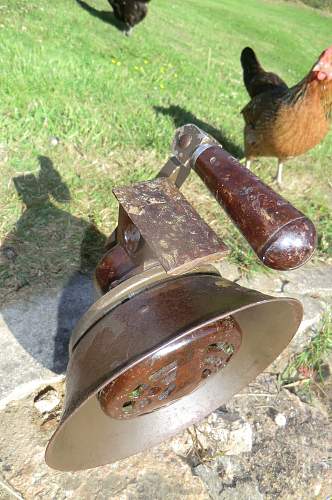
x=181, y=117
x=46, y=246
x=77, y=296
x=104, y=15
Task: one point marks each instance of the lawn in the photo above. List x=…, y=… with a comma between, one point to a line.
x=84, y=108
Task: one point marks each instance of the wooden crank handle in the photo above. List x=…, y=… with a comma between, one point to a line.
x=282, y=237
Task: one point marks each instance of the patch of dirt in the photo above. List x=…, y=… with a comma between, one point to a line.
x=291, y=460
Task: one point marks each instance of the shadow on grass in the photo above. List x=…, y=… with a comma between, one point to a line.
x=104, y=15
x=48, y=243
x=181, y=117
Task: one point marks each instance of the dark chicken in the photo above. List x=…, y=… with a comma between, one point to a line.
x=130, y=12
x=256, y=79
x=285, y=122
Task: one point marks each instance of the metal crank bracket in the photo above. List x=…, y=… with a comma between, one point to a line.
x=157, y=226
x=159, y=235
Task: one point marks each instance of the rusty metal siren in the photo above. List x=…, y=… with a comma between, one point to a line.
x=170, y=340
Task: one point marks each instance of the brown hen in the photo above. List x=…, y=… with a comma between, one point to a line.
x=285, y=122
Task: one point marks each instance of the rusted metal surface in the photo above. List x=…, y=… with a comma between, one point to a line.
x=172, y=372
x=115, y=264
x=176, y=234
x=175, y=171
x=282, y=236
x=128, y=234
x=184, y=150
x=127, y=288
x=134, y=331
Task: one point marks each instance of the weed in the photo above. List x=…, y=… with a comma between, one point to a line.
x=306, y=370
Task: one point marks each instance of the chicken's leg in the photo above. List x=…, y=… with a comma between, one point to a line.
x=129, y=30
x=248, y=163
x=279, y=173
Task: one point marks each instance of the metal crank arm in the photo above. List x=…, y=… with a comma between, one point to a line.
x=282, y=237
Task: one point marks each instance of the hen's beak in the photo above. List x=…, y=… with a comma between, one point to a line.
x=323, y=70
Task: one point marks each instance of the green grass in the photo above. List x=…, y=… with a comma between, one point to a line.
x=114, y=103
x=305, y=372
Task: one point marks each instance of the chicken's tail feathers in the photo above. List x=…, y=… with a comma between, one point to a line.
x=249, y=60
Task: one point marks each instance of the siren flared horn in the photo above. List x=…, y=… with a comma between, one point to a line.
x=170, y=340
